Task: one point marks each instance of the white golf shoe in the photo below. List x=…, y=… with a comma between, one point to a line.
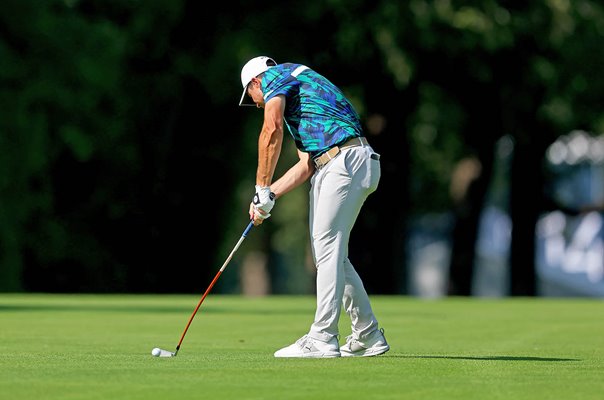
x=373, y=345
x=307, y=347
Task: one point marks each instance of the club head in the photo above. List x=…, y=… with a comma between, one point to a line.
x=157, y=352
x=166, y=353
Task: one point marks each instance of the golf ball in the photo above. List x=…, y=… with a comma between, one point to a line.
x=156, y=352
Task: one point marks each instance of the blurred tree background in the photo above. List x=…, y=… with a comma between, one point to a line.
x=127, y=165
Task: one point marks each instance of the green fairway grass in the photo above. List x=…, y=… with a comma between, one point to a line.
x=99, y=347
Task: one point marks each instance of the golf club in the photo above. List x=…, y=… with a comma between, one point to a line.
x=157, y=352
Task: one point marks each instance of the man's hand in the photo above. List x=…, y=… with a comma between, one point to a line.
x=262, y=204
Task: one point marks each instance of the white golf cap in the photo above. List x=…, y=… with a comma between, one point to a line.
x=252, y=69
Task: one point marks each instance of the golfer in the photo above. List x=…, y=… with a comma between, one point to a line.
x=343, y=170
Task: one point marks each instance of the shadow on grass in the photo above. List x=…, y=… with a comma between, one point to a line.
x=147, y=309
x=92, y=307
x=496, y=358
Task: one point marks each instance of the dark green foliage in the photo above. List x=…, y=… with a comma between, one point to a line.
x=126, y=165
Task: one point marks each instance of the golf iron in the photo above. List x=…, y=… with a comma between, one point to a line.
x=165, y=353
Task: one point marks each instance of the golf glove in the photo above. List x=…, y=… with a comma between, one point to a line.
x=263, y=202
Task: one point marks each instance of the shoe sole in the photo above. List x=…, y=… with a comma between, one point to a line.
x=367, y=353
x=309, y=355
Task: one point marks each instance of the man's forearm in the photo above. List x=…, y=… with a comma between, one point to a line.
x=293, y=177
x=269, y=150
x=270, y=141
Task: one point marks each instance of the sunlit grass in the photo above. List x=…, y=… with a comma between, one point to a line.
x=99, y=347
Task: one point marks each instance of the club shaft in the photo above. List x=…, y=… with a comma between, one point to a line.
x=243, y=236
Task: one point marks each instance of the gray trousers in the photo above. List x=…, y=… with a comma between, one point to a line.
x=338, y=191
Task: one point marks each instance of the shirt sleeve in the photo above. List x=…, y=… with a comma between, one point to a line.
x=281, y=85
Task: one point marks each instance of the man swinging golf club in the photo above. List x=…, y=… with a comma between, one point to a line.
x=343, y=170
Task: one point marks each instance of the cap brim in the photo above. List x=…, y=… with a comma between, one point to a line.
x=245, y=99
